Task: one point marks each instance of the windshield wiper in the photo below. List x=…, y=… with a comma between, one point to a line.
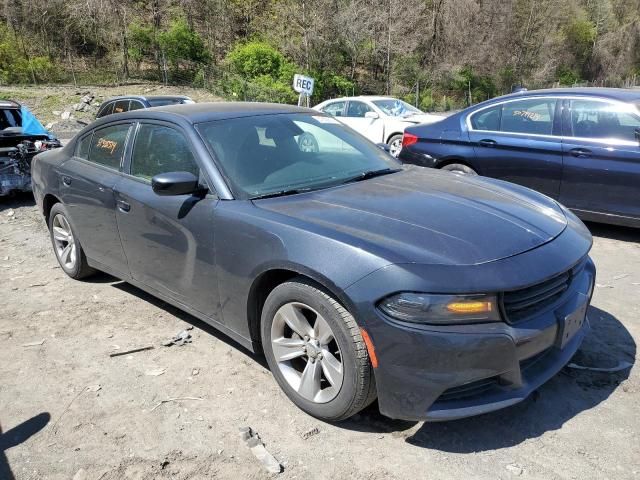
x=371, y=174
x=281, y=193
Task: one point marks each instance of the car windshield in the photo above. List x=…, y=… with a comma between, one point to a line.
x=396, y=108
x=288, y=153
x=10, y=117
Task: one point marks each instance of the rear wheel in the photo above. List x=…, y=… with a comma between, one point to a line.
x=66, y=245
x=315, y=351
x=460, y=168
x=395, y=145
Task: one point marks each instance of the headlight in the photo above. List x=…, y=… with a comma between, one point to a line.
x=441, y=309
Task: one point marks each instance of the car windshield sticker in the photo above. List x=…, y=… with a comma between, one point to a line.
x=107, y=145
x=528, y=115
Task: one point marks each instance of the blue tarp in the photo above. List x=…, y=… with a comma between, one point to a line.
x=30, y=124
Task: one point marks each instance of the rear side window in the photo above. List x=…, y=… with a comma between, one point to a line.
x=487, y=119
x=121, y=106
x=336, y=109
x=106, y=110
x=159, y=149
x=107, y=145
x=83, y=146
x=135, y=105
x=602, y=120
x=533, y=116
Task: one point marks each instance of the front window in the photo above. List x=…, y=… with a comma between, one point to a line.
x=357, y=109
x=604, y=120
x=396, y=108
x=159, y=149
x=273, y=154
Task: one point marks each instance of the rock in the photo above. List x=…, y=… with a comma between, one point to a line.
x=66, y=115
x=49, y=125
x=80, y=475
x=87, y=98
x=515, y=469
x=57, y=113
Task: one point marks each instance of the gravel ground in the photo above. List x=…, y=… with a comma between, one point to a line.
x=69, y=410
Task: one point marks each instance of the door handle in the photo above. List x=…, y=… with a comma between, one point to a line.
x=66, y=180
x=487, y=143
x=123, y=206
x=580, y=152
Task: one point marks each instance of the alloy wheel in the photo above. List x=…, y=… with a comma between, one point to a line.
x=65, y=245
x=306, y=352
x=395, y=147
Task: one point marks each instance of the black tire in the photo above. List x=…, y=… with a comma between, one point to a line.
x=80, y=268
x=393, y=150
x=358, y=387
x=460, y=168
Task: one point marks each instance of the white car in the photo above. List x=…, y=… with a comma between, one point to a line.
x=380, y=119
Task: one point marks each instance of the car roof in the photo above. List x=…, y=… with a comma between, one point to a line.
x=361, y=97
x=148, y=97
x=204, y=112
x=621, y=94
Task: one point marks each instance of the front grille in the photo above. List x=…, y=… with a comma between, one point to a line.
x=522, y=304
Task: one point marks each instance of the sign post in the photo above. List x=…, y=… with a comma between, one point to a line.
x=304, y=86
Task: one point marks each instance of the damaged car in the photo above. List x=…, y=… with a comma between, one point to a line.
x=21, y=137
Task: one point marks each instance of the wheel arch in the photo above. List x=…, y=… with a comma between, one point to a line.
x=391, y=135
x=48, y=202
x=270, y=278
x=451, y=160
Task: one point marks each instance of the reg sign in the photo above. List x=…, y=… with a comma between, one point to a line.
x=302, y=84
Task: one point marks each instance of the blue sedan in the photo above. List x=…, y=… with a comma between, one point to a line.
x=580, y=146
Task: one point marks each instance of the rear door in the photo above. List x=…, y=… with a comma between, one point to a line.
x=520, y=141
x=86, y=186
x=601, y=157
x=168, y=239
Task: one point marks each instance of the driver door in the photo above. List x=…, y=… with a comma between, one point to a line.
x=360, y=117
x=168, y=240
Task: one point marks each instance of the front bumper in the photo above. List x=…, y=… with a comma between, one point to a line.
x=449, y=372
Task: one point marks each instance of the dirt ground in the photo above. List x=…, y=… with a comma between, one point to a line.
x=69, y=410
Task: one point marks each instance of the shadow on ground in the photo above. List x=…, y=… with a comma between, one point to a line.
x=185, y=317
x=17, y=200
x=564, y=397
x=614, y=232
x=16, y=436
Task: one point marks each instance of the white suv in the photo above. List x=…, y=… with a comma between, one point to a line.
x=380, y=119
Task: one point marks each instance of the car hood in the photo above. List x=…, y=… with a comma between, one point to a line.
x=427, y=216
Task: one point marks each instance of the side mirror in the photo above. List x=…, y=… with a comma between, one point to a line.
x=371, y=115
x=175, y=183
x=384, y=146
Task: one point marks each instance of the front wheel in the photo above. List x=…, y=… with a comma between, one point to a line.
x=315, y=351
x=395, y=145
x=460, y=168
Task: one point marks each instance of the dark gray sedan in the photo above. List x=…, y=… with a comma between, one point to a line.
x=443, y=296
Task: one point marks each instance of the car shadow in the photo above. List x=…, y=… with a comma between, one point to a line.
x=190, y=319
x=614, y=232
x=16, y=436
x=22, y=199
x=564, y=397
